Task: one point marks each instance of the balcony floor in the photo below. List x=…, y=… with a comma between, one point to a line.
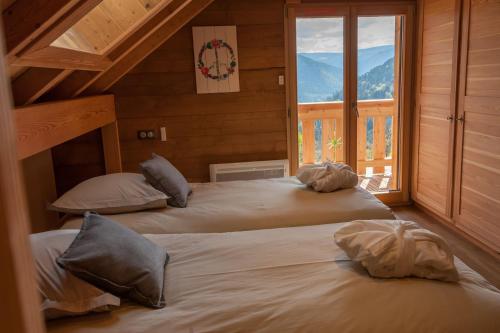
x=377, y=183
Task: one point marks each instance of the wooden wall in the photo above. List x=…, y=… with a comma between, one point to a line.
x=210, y=128
x=201, y=129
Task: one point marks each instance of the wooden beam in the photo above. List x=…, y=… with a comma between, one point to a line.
x=63, y=23
x=26, y=20
x=79, y=81
x=74, y=81
x=111, y=145
x=43, y=126
x=20, y=305
x=55, y=57
x=141, y=50
x=130, y=53
x=35, y=82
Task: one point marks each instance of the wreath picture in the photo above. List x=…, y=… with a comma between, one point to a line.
x=217, y=70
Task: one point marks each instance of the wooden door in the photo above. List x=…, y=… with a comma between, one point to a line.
x=435, y=110
x=477, y=182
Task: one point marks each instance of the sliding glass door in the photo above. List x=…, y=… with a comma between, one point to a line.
x=349, y=91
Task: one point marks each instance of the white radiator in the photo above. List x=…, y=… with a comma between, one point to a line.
x=248, y=170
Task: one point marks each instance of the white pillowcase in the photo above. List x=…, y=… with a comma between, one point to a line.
x=111, y=194
x=63, y=294
x=394, y=248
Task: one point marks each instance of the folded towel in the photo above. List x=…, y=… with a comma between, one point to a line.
x=327, y=177
x=393, y=248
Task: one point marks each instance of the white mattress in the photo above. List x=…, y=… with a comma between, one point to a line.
x=254, y=204
x=293, y=280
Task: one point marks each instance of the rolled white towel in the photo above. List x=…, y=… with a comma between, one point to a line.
x=327, y=177
x=394, y=248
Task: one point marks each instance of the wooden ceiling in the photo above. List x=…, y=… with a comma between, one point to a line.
x=104, y=25
x=66, y=48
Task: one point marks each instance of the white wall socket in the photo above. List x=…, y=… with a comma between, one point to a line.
x=281, y=80
x=163, y=134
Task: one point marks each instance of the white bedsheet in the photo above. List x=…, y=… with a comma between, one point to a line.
x=293, y=280
x=255, y=204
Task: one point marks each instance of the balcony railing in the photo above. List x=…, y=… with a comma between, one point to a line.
x=377, y=134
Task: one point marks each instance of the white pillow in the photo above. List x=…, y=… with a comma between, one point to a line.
x=111, y=194
x=393, y=248
x=63, y=294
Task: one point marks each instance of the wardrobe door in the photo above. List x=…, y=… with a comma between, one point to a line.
x=477, y=184
x=434, y=126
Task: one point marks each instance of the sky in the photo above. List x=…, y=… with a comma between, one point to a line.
x=325, y=34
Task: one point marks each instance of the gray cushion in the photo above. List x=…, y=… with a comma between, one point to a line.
x=166, y=178
x=117, y=259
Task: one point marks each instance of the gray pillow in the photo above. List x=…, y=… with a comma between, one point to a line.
x=117, y=259
x=166, y=178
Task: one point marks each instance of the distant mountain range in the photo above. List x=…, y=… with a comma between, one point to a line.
x=320, y=75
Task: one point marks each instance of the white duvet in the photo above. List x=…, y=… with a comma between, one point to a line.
x=253, y=204
x=293, y=280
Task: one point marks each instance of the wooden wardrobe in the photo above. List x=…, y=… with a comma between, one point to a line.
x=456, y=157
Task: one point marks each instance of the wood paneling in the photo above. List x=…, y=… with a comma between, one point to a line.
x=106, y=24
x=77, y=160
x=437, y=66
x=477, y=205
x=201, y=129
x=25, y=20
x=210, y=128
x=38, y=175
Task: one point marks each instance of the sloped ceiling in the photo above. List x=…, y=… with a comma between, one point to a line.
x=69, y=48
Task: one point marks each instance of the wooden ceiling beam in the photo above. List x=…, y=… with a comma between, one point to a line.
x=26, y=20
x=55, y=57
x=74, y=81
x=35, y=82
x=70, y=18
x=131, y=52
x=173, y=23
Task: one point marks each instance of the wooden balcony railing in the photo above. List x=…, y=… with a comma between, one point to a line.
x=330, y=115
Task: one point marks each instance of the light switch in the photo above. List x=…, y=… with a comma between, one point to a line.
x=163, y=134
x=281, y=80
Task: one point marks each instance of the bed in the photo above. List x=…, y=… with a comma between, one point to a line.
x=254, y=204
x=293, y=280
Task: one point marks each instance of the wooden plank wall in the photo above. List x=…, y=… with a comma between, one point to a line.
x=77, y=160
x=211, y=128
x=201, y=129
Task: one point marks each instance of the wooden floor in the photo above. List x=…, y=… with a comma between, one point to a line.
x=482, y=262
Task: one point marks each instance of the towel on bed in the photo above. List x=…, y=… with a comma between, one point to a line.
x=397, y=249
x=327, y=177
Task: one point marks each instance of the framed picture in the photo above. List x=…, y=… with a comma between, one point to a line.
x=216, y=59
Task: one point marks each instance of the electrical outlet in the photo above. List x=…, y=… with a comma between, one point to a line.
x=163, y=134
x=148, y=134
x=281, y=80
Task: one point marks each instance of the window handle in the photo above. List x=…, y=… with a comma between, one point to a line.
x=354, y=106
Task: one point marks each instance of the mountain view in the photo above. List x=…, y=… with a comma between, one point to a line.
x=320, y=75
